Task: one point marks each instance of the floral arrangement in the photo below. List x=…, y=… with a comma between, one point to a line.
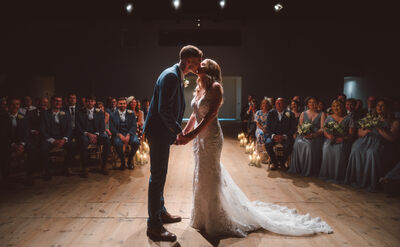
x=305, y=129
x=185, y=83
x=334, y=128
x=370, y=121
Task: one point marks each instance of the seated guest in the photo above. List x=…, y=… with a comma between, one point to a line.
x=14, y=136
x=82, y=103
x=139, y=114
x=56, y=130
x=372, y=153
x=123, y=128
x=91, y=127
x=146, y=107
x=27, y=105
x=281, y=126
x=112, y=106
x=351, y=109
x=391, y=181
x=296, y=109
x=73, y=110
x=100, y=105
x=307, y=150
x=336, y=148
x=261, y=121
x=371, y=103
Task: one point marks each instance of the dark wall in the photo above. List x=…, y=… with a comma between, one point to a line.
x=280, y=58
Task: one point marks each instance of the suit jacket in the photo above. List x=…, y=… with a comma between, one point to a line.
x=46, y=122
x=115, y=122
x=285, y=126
x=164, y=119
x=82, y=121
x=22, y=131
x=34, y=119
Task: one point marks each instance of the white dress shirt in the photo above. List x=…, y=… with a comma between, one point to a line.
x=14, y=120
x=90, y=113
x=122, y=115
x=56, y=117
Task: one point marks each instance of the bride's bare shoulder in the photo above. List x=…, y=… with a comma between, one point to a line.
x=216, y=88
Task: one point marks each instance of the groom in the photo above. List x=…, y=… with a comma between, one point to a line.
x=163, y=124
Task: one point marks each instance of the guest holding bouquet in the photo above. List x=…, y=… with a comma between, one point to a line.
x=307, y=148
x=339, y=130
x=371, y=154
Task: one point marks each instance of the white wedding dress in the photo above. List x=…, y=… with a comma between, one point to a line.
x=220, y=208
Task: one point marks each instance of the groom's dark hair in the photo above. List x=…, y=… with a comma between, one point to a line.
x=190, y=51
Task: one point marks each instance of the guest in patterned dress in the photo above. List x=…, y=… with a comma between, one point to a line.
x=261, y=121
x=307, y=150
x=336, y=148
x=372, y=153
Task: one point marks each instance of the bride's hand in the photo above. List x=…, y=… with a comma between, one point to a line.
x=182, y=139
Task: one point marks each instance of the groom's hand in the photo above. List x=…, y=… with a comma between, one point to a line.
x=182, y=139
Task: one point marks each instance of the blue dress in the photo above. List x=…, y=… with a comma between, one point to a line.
x=306, y=155
x=261, y=118
x=335, y=155
x=367, y=159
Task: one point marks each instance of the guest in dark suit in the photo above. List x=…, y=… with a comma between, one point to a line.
x=90, y=127
x=14, y=136
x=123, y=128
x=27, y=106
x=281, y=126
x=163, y=124
x=73, y=110
x=146, y=107
x=112, y=107
x=56, y=130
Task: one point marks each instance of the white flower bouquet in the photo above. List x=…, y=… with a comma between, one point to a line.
x=370, y=122
x=335, y=129
x=305, y=129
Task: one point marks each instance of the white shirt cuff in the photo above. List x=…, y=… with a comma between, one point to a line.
x=51, y=140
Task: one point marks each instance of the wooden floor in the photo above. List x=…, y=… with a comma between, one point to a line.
x=112, y=210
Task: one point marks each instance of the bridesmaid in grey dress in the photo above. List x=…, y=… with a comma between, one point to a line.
x=336, y=149
x=307, y=150
x=372, y=153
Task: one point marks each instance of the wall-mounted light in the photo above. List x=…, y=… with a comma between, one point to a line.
x=176, y=3
x=222, y=3
x=278, y=7
x=129, y=7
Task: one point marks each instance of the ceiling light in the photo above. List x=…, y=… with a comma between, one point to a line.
x=222, y=4
x=176, y=3
x=278, y=7
x=129, y=7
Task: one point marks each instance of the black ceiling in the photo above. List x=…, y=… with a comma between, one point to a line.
x=209, y=9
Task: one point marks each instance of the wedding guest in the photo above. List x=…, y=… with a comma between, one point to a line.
x=91, y=127
x=100, y=105
x=3, y=106
x=372, y=153
x=112, y=107
x=82, y=103
x=371, y=103
x=342, y=98
x=296, y=109
x=56, y=130
x=27, y=105
x=261, y=121
x=298, y=101
x=123, y=128
x=281, y=126
x=359, y=105
x=252, y=125
x=73, y=110
x=336, y=148
x=307, y=150
x=146, y=107
x=244, y=116
x=14, y=134
x=321, y=106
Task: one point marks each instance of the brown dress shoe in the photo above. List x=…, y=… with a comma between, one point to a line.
x=168, y=218
x=160, y=234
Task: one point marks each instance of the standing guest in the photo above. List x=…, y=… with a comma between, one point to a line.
x=281, y=126
x=336, y=148
x=123, y=128
x=261, y=121
x=27, y=106
x=112, y=106
x=14, y=136
x=371, y=154
x=252, y=125
x=146, y=107
x=307, y=150
x=100, y=105
x=371, y=103
x=56, y=130
x=296, y=109
x=244, y=116
x=73, y=110
x=91, y=127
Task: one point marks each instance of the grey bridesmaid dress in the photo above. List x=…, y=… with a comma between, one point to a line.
x=335, y=155
x=306, y=155
x=367, y=158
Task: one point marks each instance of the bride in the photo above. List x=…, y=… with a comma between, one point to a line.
x=220, y=208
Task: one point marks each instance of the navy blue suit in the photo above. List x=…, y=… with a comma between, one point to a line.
x=163, y=124
x=9, y=135
x=50, y=129
x=124, y=128
x=95, y=126
x=285, y=126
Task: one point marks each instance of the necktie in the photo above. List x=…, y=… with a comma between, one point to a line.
x=72, y=111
